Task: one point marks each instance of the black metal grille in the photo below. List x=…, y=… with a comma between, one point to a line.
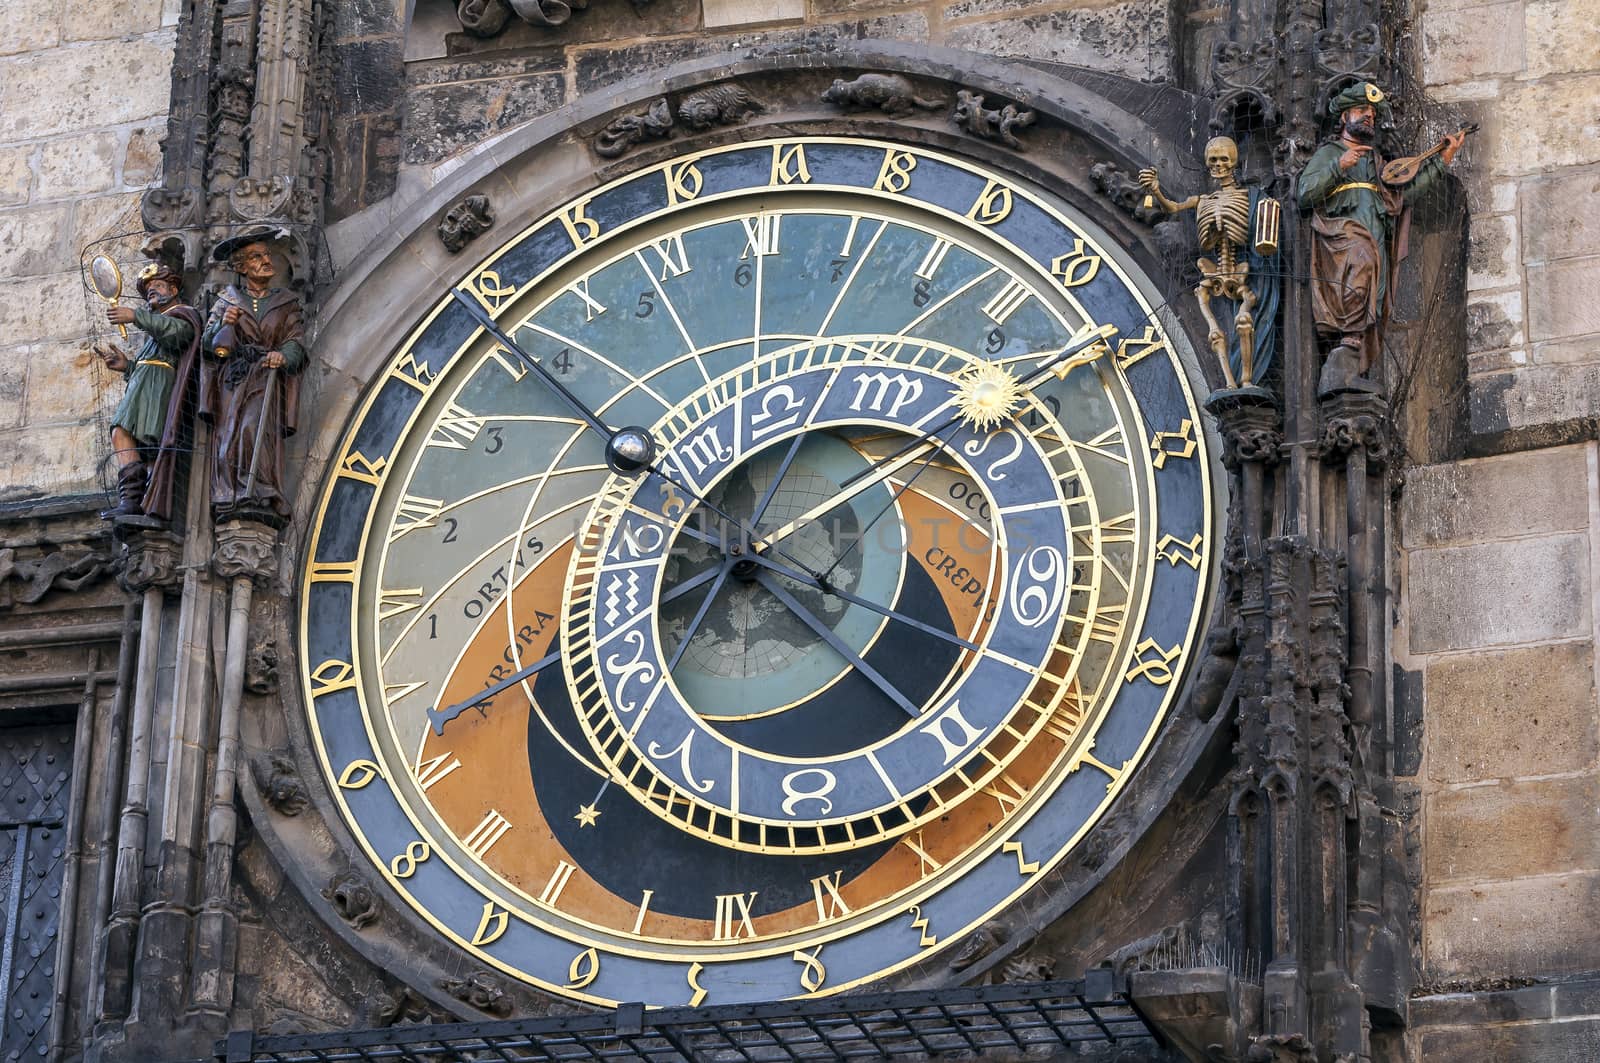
x=989, y=1022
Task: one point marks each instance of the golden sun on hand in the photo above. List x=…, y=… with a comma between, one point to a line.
x=988, y=395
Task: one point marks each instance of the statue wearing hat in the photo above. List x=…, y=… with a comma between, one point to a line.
x=1359, y=230
x=147, y=422
x=254, y=345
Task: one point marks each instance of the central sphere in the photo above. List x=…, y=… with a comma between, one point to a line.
x=630, y=449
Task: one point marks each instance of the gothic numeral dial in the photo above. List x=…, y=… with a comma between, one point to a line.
x=773, y=574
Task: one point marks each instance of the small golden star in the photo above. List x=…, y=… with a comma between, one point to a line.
x=987, y=394
x=586, y=816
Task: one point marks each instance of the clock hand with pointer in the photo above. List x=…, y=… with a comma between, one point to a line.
x=632, y=450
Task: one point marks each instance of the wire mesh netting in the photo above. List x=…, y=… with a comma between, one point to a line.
x=983, y=1022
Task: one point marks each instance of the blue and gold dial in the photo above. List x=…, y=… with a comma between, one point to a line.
x=840, y=516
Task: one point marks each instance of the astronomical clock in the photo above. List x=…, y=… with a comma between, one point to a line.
x=756, y=573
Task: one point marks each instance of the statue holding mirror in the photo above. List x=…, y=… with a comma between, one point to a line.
x=145, y=423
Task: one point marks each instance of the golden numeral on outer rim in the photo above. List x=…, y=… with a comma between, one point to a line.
x=332, y=676
x=492, y=924
x=1076, y=267
x=585, y=968
x=405, y=865
x=1158, y=667
x=815, y=974
x=683, y=181
x=694, y=984
x=895, y=173
x=789, y=165
x=919, y=922
x=993, y=204
x=582, y=228
x=359, y=773
x=1024, y=865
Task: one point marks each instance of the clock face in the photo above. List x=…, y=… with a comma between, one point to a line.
x=756, y=574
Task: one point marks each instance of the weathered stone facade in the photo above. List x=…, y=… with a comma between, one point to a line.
x=85, y=99
x=1529, y=73
x=1483, y=604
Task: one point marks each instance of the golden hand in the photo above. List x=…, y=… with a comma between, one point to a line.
x=875, y=476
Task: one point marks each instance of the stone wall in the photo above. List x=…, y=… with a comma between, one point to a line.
x=458, y=90
x=1500, y=565
x=1529, y=71
x=83, y=95
x=1498, y=634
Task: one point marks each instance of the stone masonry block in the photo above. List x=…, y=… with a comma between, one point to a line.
x=1533, y=396
x=13, y=382
x=1541, y=125
x=445, y=119
x=141, y=159
x=1508, y=830
x=1520, y=712
x=1530, y=493
x=66, y=383
x=16, y=173
x=1494, y=320
x=1541, y=924
x=1492, y=261
x=29, y=25
x=99, y=217
x=87, y=20
x=1561, y=298
x=1486, y=43
x=1561, y=36
x=1497, y=594
x=42, y=308
x=1530, y=1041
x=77, y=165
x=31, y=244
x=1480, y=1008
x=54, y=460
x=1580, y=996
x=726, y=13
x=1584, y=351
x=132, y=16
x=1128, y=38
x=127, y=80
x=1555, y=225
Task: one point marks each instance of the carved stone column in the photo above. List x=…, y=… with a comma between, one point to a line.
x=1280, y=760
x=1355, y=449
x=1354, y=437
x=246, y=554
x=1252, y=441
x=155, y=1025
x=151, y=570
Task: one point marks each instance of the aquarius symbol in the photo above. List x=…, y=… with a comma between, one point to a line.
x=614, y=597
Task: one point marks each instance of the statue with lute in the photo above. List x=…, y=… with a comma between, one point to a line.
x=1360, y=219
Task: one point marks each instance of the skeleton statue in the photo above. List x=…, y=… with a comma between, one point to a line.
x=1243, y=271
